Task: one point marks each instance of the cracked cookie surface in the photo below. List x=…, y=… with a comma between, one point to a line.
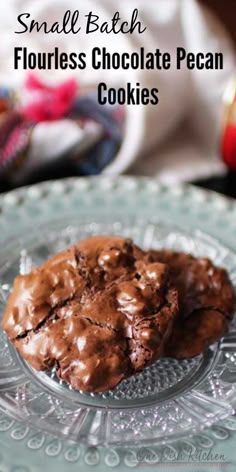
x=98, y=312
x=206, y=302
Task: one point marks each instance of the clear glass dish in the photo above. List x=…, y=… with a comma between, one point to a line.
x=169, y=400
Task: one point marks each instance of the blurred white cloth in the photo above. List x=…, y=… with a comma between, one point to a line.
x=178, y=139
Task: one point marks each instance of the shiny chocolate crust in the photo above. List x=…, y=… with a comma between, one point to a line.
x=206, y=302
x=98, y=312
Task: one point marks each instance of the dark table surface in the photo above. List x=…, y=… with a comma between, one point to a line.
x=225, y=185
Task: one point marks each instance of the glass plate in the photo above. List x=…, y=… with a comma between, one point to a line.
x=169, y=400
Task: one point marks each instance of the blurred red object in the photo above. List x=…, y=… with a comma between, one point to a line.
x=49, y=103
x=229, y=129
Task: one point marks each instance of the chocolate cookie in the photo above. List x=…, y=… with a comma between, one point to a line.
x=97, y=312
x=206, y=301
